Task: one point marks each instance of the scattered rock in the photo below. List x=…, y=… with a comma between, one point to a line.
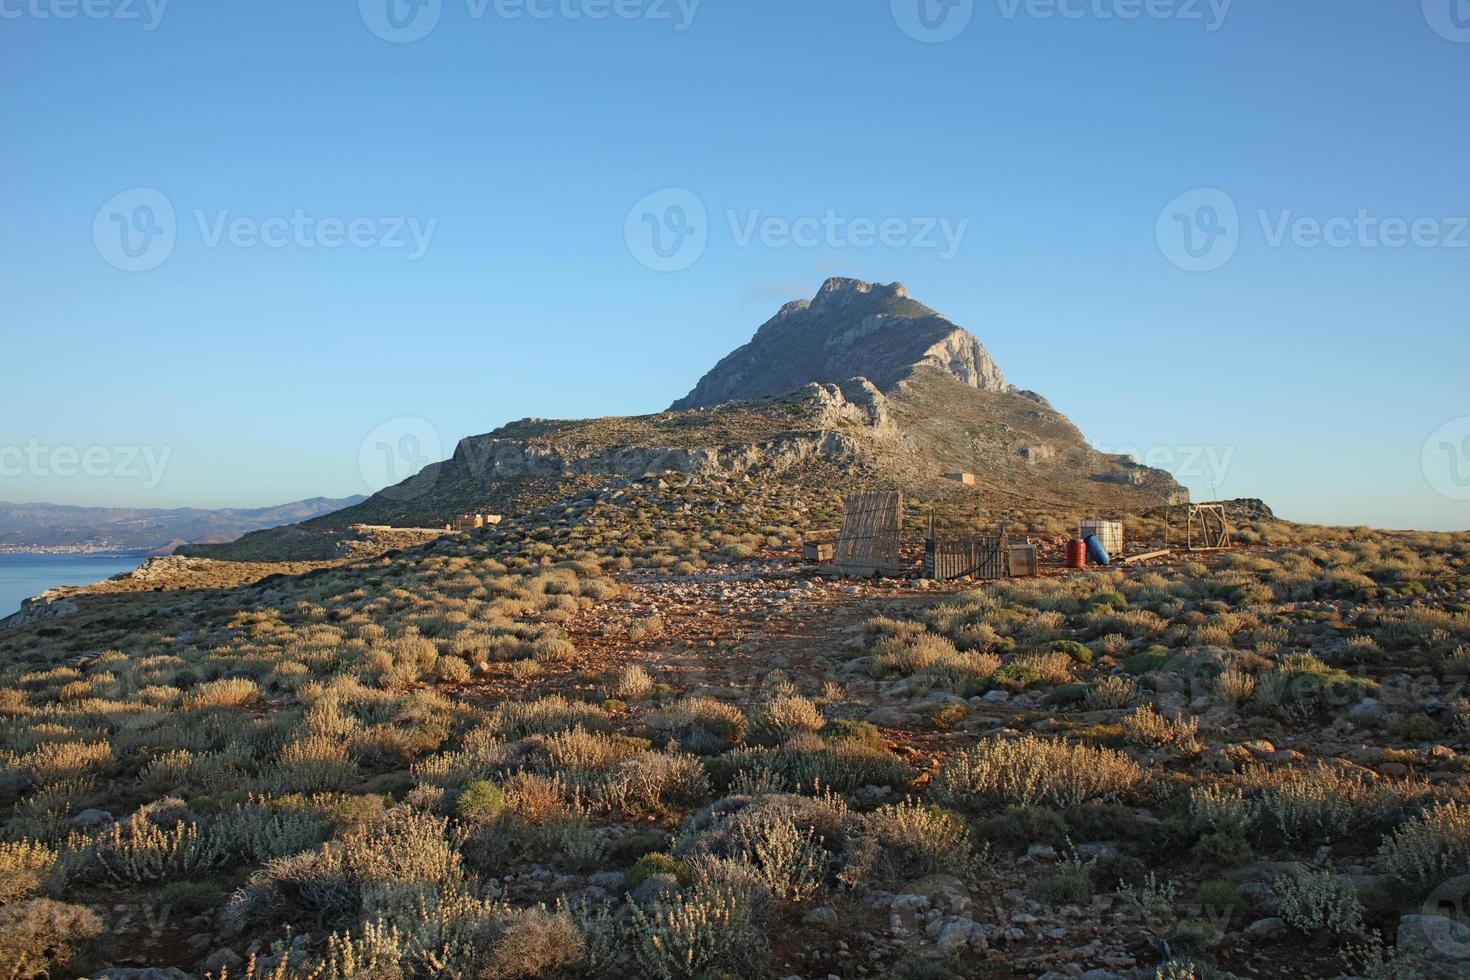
x=222, y=958
x=1438, y=945
x=821, y=916
x=92, y=818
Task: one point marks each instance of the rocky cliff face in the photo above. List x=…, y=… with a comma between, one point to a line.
x=821, y=421
x=850, y=329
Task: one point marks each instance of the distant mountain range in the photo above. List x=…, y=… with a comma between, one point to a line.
x=57, y=527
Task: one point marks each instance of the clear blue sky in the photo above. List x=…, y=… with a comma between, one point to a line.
x=1315, y=377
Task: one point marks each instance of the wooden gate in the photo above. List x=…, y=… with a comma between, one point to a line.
x=871, y=528
x=980, y=556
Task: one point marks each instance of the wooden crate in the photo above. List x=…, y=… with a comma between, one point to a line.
x=1023, y=560
x=821, y=551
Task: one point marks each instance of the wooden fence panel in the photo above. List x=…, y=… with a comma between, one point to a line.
x=979, y=556
x=872, y=527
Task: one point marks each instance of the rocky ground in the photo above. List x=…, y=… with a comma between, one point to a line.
x=642, y=711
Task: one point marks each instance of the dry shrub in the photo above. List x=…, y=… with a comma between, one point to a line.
x=578, y=748
x=1235, y=686
x=629, y=684
x=909, y=653
x=787, y=716
x=1148, y=728
x=55, y=761
x=917, y=839
x=652, y=783
x=961, y=671
x=228, y=692
x=39, y=936
x=25, y=869
x=701, y=723
x=647, y=628
x=525, y=670
x=316, y=763
x=407, y=847
x=137, y=850
x=1030, y=669
x=1320, y=902
x=1220, y=808
x=1431, y=847
x=534, y=943
x=1033, y=771
x=1111, y=693
x=691, y=935
x=452, y=670
x=536, y=798
x=515, y=719
x=1326, y=803
x=553, y=650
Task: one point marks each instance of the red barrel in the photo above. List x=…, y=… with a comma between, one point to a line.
x=1077, y=553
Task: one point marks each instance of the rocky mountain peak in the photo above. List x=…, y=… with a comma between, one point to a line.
x=838, y=292
x=850, y=329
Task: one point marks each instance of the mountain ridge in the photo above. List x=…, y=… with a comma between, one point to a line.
x=38, y=525
x=875, y=390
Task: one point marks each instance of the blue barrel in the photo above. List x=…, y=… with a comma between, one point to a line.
x=1096, y=551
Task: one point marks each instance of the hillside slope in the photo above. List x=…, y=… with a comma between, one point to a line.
x=860, y=387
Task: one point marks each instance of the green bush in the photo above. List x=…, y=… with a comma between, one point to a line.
x=1061, y=888
x=1143, y=663
x=1021, y=826
x=860, y=732
x=1073, y=649
x=1220, y=899
x=191, y=897
x=1225, y=849
x=481, y=801
x=653, y=865
x=1415, y=728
